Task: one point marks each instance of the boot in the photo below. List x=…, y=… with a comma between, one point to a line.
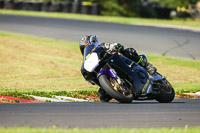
x=104, y=97
x=149, y=67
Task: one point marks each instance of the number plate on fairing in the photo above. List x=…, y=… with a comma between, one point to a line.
x=91, y=62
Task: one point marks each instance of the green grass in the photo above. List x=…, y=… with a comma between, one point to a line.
x=70, y=93
x=44, y=67
x=30, y=65
x=101, y=130
x=123, y=20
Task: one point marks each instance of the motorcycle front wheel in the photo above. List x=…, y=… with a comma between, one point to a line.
x=121, y=93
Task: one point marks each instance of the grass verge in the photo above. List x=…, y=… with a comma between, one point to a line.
x=30, y=65
x=194, y=24
x=101, y=130
x=44, y=67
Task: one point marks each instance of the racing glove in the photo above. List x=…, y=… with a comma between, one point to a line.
x=114, y=47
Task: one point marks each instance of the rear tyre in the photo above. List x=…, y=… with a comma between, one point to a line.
x=121, y=93
x=167, y=93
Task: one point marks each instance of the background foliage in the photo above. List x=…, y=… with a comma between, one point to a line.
x=126, y=8
x=176, y=3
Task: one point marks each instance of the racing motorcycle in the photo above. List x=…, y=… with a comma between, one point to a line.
x=123, y=79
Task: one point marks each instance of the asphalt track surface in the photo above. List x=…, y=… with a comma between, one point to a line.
x=148, y=114
x=163, y=41
x=154, y=40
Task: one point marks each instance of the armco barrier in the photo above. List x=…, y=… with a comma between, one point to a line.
x=70, y=7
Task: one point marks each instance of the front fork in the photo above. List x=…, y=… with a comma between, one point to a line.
x=110, y=72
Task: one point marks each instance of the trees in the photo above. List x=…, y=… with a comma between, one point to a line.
x=176, y=3
x=128, y=8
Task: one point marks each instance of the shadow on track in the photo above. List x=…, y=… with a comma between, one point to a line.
x=142, y=102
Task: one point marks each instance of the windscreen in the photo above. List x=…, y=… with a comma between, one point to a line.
x=88, y=50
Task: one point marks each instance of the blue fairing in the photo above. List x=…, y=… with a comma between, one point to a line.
x=136, y=74
x=107, y=72
x=157, y=77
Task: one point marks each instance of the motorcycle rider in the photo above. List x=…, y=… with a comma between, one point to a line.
x=128, y=52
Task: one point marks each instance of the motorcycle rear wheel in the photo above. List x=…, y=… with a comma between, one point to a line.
x=167, y=93
x=111, y=86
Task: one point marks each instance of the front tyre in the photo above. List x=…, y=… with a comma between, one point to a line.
x=167, y=93
x=121, y=93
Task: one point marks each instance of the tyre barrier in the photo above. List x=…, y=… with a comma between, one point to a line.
x=18, y=5
x=76, y=7
x=67, y=7
x=27, y=6
x=96, y=9
x=55, y=7
x=1, y=4
x=45, y=6
x=70, y=7
x=9, y=4
x=86, y=9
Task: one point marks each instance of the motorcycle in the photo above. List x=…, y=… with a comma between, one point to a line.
x=123, y=79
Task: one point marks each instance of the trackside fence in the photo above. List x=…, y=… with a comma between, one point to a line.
x=68, y=6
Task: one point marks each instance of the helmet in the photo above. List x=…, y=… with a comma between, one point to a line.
x=87, y=40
